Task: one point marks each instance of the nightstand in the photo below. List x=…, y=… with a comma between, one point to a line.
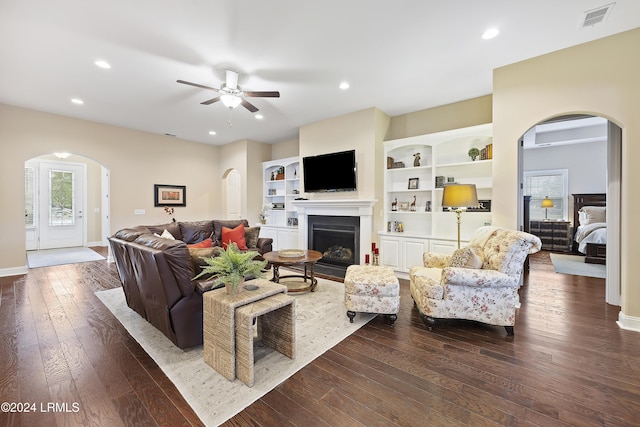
x=555, y=235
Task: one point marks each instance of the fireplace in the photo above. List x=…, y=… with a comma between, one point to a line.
x=337, y=238
x=342, y=209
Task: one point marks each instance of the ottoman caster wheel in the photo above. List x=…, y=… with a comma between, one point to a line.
x=351, y=315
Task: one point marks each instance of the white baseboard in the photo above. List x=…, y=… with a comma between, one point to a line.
x=98, y=243
x=14, y=271
x=629, y=323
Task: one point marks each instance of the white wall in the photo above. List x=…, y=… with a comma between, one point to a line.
x=586, y=163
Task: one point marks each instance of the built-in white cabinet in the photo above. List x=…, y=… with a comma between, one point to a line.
x=415, y=171
x=281, y=186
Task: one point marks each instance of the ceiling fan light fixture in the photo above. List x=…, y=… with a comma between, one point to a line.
x=230, y=101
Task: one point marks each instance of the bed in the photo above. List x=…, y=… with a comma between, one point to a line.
x=590, y=227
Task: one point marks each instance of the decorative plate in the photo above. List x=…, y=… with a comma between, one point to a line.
x=291, y=253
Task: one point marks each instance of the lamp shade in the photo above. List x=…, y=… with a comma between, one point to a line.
x=459, y=196
x=546, y=203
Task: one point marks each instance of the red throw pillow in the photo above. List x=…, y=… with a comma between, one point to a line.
x=206, y=243
x=234, y=235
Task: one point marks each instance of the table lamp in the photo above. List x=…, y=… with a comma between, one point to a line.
x=546, y=204
x=459, y=197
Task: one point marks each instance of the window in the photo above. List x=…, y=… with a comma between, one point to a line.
x=61, y=198
x=553, y=183
x=29, y=197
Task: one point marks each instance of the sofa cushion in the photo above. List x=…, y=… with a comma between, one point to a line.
x=131, y=234
x=229, y=223
x=467, y=257
x=165, y=235
x=206, y=243
x=198, y=255
x=235, y=235
x=177, y=256
x=196, y=231
x=251, y=235
x=171, y=227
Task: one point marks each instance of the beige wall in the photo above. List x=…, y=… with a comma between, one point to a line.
x=351, y=131
x=285, y=149
x=136, y=160
x=599, y=78
x=476, y=111
x=363, y=131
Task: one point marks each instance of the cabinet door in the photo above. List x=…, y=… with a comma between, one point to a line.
x=443, y=246
x=287, y=239
x=413, y=250
x=270, y=232
x=390, y=255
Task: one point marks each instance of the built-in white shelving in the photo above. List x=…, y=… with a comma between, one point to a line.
x=425, y=226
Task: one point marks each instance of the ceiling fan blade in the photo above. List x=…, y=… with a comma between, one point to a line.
x=232, y=79
x=272, y=94
x=210, y=101
x=197, y=85
x=249, y=106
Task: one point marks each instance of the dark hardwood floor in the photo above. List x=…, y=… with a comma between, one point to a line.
x=568, y=364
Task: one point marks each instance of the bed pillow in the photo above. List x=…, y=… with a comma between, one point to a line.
x=594, y=214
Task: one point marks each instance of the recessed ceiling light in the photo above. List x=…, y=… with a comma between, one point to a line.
x=212, y=132
x=344, y=86
x=102, y=64
x=77, y=101
x=259, y=116
x=490, y=33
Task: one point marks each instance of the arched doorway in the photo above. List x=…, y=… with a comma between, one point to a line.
x=579, y=132
x=66, y=202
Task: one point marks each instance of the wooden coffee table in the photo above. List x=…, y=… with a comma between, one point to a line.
x=308, y=258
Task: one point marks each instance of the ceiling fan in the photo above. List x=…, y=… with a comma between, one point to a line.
x=232, y=95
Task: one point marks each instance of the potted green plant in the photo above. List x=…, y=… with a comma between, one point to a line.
x=473, y=153
x=231, y=267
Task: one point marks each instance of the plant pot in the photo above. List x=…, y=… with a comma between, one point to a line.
x=236, y=291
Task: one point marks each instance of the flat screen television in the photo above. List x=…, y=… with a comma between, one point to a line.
x=330, y=172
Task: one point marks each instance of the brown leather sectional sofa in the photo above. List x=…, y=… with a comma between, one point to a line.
x=156, y=274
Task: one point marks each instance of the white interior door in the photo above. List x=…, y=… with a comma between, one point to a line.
x=61, y=208
x=233, y=195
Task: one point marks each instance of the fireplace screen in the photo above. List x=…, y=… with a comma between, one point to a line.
x=336, y=238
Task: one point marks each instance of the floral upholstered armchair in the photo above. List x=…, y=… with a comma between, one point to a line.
x=479, y=282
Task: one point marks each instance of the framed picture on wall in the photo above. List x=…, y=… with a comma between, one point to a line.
x=169, y=195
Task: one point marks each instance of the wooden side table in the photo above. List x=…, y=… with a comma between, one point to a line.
x=276, y=327
x=219, y=323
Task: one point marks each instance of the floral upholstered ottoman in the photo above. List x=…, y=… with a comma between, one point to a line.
x=371, y=289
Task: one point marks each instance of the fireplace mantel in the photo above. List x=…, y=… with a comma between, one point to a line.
x=362, y=208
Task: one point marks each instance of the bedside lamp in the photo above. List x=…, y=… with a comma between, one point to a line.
x=459, y=197
x=546, y=204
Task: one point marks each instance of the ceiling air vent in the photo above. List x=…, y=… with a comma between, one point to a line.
x=596, y=16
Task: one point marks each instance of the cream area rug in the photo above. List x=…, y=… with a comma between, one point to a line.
x=574, y=264
x=49, y=257
x=321, y=323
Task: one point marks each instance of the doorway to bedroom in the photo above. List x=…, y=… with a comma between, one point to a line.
x=560, y=160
